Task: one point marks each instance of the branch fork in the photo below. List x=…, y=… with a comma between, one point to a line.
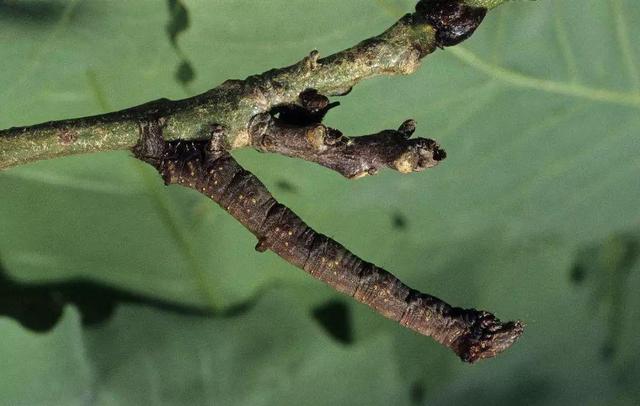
x=281, y=111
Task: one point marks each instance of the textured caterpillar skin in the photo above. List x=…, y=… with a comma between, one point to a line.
x=454, y=21
x=215, y=173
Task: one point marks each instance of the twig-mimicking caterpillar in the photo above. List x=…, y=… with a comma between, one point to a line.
x=207, y=167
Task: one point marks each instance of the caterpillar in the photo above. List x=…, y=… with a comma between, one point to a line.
x=207, y=167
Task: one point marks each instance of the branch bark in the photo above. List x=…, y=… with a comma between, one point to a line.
x=189, y=143
x=351, y=157
x=398, y=50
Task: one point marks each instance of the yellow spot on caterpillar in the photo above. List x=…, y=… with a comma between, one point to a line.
x=253, y=201
x=290, y=233
x=286, y=244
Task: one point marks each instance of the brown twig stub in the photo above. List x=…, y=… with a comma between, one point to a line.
x=352, y=157
x=398, y=50
x=203, y=166
x=311, y=107
x=281, y=111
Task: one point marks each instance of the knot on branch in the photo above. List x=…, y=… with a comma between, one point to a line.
x=310, y=62
x=485, y=336
x=453, y=20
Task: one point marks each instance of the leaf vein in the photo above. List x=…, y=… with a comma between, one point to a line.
x=518, y=79
x=624, y=44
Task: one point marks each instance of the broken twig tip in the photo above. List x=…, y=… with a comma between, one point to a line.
x=407, y=128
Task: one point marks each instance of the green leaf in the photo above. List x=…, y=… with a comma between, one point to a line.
x=538, y=112
x=272, y=354
x=49, y=369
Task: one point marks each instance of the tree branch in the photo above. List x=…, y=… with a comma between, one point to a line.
x=398, y=50
x=208, y=168
x=281, y=111
x=351, y=157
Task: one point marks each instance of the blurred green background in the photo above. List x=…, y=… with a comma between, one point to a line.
x=115, y=290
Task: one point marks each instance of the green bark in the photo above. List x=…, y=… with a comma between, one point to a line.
x=488, y=4
x=232, y=104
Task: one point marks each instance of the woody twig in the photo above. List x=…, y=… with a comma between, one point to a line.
x=190, y=141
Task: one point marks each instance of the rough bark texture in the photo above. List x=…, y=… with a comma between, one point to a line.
x=208, y=168
x=281, y=111
x=351, y=157
x=398, y=50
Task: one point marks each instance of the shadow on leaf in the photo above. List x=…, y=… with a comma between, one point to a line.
x=178, y=23
x=335, y=317
x=43, y=14
x=605, y=267
x=39, y=306
x=31, y=12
